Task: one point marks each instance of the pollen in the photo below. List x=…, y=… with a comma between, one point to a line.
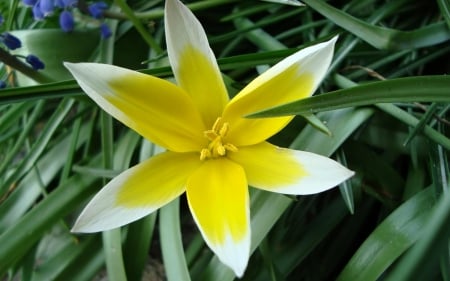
x=217, y=147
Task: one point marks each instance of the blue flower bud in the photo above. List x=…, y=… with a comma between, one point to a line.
x=29, y=2
x=37, y=13
x=1, y=20
x=96, y=9
x=59, y=4
x=70, y=3
x=35, y=62
x=105, y=32
x=10, y=41
x=66, y=21
x=2, y=84
x=47, y=7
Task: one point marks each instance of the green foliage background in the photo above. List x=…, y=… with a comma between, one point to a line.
x=382, y=111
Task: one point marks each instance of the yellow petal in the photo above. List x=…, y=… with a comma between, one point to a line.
x=155, y=108
x=296, y=77
x=217, y=193
x=289, y=171
x=138, y=191
x=193, y=62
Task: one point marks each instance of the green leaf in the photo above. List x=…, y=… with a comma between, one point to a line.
x=41, y=43
x=314, y=233
x=390, y=239
x=314, y=121
x=112, y=247
x=411, y=89
x=59, y=261
x=408, y=119
x=171, y=243
x=40, y=144
x=20, y=237
x=29, y=188
x=444, y=6
x=140, y=233
x=286, y=2
x=346, y=187
x=24, y=134
x=382, y=37
x=423, y=121
x=342, y=123
x=418, y=263
x=45, y=91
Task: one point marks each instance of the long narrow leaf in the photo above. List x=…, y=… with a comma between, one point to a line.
x=18, y=239
x=382, y=37
x=411, y=89
x=390, y=240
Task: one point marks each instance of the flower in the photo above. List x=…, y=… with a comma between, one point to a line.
x=29, y=2
x=35, y=62
x=105, y=31
x=47, y=7
x=44, y=8
x=66, y=21
x=37, y=13
x=213, y=152
x=70, y=3
x=10, y=41
x=60, y=4
x=2, y=84
x=96, y=9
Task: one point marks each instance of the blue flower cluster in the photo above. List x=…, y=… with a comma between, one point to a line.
x=46, y=8
x=35, y=62
x=11, y=42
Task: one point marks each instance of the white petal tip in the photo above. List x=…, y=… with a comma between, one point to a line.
x=69, y=65
x=235, y=255
x=334, y=39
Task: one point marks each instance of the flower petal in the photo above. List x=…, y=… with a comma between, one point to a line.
x=217, y=193
x=289, y=171
x=138, y=191
x=155, y=108
x=296, y=77
x=193, y=62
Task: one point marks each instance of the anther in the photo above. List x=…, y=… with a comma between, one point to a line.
x=210, y=134
x=221, y=150
x=217, y=125
x=223, y=130
x=215, y=142
x=216, y=147
x=204, y=154
x=230, y=147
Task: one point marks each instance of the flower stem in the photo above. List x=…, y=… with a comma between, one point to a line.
x=139, y=26
x=159, y=13
x=18, y=65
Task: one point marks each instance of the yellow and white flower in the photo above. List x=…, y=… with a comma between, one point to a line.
x=213, y=152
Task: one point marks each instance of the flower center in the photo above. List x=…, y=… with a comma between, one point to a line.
x=217, y=147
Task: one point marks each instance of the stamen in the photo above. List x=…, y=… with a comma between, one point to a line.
x=230, y=147
x=210, y=134
x=216, y=147
x=204, y=154
x=224, y=130
x=221, y=150
x=217, y=141
x=217, y=124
